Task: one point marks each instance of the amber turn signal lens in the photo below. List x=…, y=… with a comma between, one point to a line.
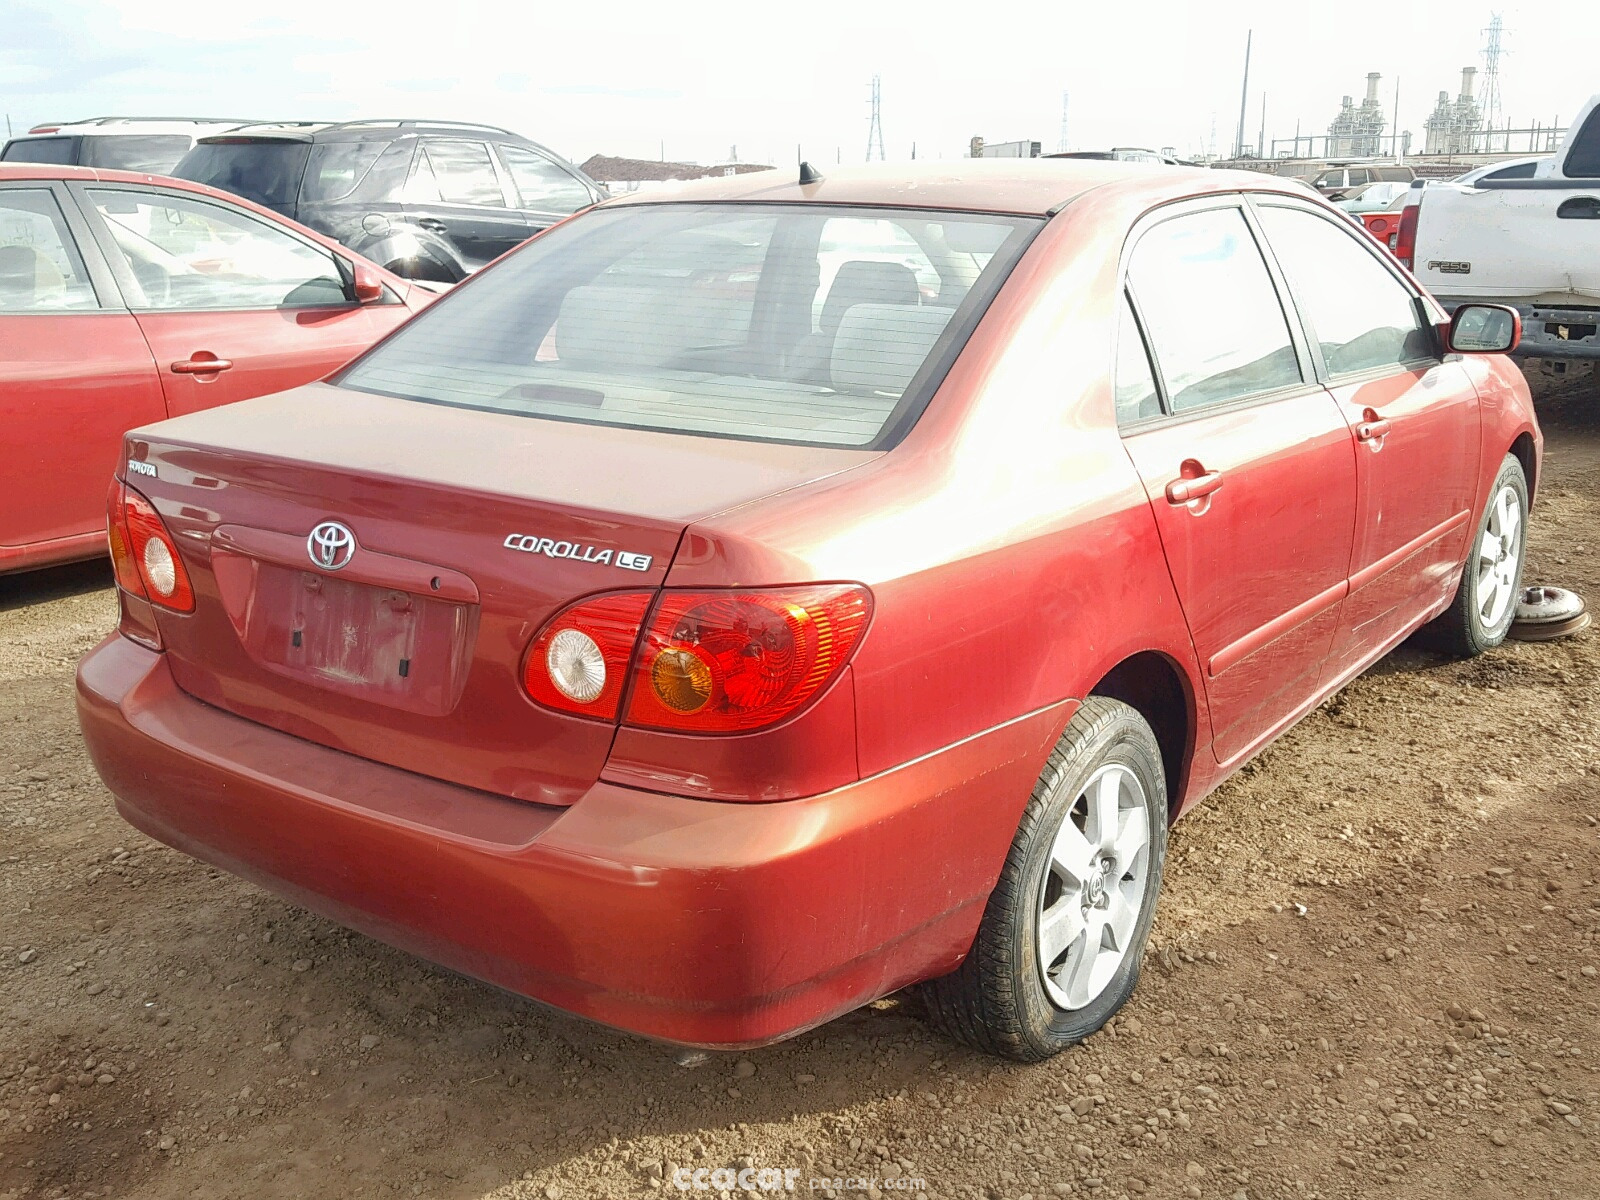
x=681, y=679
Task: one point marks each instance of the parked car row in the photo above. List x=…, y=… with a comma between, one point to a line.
x=426, y=200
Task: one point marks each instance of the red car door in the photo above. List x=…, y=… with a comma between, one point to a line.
x=1415, y=419
x=74, y=374
x=232, y=305
x=1247, y=461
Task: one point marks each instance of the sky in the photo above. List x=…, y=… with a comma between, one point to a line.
x=705, y=81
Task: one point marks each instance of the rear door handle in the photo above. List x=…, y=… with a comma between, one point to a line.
x=1183, y=491
x=201, y=366
x=431, y=224
x=1371, y=431
x=1579, y=208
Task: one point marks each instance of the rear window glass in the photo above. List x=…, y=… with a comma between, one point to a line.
x=157, y=153
x=57, y=151
x=1583, y=160
x=806, y=324
x=267, y=172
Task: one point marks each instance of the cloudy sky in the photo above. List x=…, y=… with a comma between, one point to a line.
x=699, y=79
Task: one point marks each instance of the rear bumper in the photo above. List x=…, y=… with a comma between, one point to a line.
x=693, y=921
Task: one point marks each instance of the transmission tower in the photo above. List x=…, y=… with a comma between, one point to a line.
x=1061, y=145
x=875, y=127
x=1492, y=50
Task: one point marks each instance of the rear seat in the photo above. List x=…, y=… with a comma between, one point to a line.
x=880, y=347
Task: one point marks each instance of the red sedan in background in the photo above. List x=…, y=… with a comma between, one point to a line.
x=126, y=298
x=671, y=630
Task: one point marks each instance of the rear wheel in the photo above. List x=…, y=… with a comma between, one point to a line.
x=1063, y=936
x=1486, y=598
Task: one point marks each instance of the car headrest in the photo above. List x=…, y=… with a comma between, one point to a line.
x=606, y=326
x=861, y=281
x=27, y=278
x=879, y=347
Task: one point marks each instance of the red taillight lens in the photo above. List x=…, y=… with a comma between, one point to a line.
x=724, y=662
x=143, y=552
x=1405, y=242
x=122, y=541
x=579, y=661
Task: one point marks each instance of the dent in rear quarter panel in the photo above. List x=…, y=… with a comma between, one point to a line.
x=1008, y=541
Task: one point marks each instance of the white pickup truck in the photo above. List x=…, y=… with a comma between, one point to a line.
x=1532, y=244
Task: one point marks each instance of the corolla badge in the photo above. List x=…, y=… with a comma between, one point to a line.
x=331, y=545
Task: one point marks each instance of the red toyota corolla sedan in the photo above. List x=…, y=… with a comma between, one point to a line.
x=124, y=299
x=704, y=631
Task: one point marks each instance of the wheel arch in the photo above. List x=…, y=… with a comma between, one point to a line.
x=1157, y=687
x=1522, y=447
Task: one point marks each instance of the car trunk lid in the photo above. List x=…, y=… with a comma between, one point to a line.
x=445, y=539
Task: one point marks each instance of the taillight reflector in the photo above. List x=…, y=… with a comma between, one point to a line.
x=143, y=552
x=725, y=662
x=579, y=661
x=1405, y=241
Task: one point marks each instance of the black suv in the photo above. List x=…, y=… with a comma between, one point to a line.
x=428, y=200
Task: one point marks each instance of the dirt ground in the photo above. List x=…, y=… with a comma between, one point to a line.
x=1375, y=975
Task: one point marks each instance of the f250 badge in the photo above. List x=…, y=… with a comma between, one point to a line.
x=1450, y=267
x=530, y=543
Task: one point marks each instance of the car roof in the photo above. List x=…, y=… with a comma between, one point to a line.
x=128, y=127
x=1023, y=186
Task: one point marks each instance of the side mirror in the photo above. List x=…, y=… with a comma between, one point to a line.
x=1484, y=329
x=366, y=286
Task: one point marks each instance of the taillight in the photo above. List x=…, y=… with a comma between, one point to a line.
x=711, y=662
x=724, y=662
x=1405, y=241
x=143, y=552
x=579, y=661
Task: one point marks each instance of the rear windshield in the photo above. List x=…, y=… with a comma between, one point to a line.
x=804, y=324
x=155, y=153
x=266, y=172
x=58, y=151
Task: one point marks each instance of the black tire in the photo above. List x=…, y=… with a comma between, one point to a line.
x=997, y=1000
x=1462, y=629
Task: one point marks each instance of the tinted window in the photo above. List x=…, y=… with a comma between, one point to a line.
x=156, y=153
x=57, y=151
x=334, y=169
x=1211, y=311
x=1363, y=317
x=542, y=184
x=1136, y=397
x=1583, y=160
x=1520, y=171
x=39, y=265
x=705, y=319
x=267, y=172
x=385, y=182
x=463, y=173
x=188, y=253
x=1359, y=176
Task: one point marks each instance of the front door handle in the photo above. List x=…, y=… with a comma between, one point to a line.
x=1372, y=429
x=201, y=366
x=1191, y=488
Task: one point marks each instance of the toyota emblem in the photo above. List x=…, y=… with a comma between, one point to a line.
x=331, y=545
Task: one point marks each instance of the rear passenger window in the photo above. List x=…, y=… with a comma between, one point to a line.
x=1136, y=396
x=463, y=173
x=1362, y=316
x=40, y=270
x=541, y=183
x=1210, y=310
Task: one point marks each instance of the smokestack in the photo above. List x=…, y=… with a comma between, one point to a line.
x=1467, y=76
x=1372, y=87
